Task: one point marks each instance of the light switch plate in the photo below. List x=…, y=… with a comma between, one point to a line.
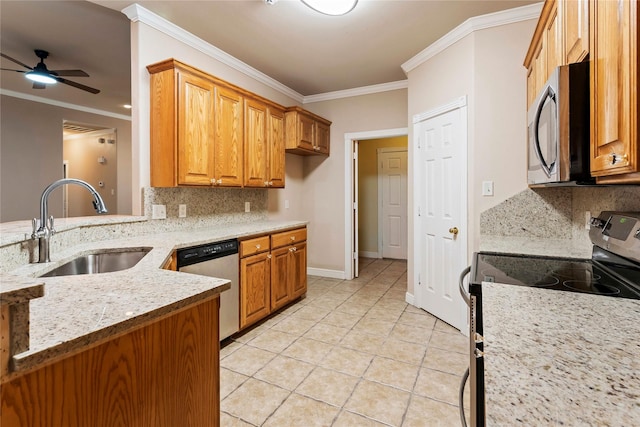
x=487, y=188
x=247, y=206
x=158, y=211
x=182, y=211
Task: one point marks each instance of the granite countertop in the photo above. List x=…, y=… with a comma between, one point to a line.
x=78, y=311
x=560, y=358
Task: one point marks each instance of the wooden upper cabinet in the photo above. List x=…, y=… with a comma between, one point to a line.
x=275, y=142
x=229, y=138
x=575, y=22
x=561, y=37
x=208, y=132
x=306, y=133
x=614, y=93
x=264, y=145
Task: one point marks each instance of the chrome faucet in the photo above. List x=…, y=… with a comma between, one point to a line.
x=45, y=229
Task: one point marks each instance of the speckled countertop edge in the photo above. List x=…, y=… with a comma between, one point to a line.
x=566, y=248
x=560, y=358
x=77, y=311
x=15, y=290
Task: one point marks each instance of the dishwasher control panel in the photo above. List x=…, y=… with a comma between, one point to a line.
x=206, y=252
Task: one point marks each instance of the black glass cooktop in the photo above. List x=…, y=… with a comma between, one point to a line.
x=563, y=274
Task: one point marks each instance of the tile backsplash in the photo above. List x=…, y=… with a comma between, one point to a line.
x=556, y=213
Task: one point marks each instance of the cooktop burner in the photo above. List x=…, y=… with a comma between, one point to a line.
x=564, y=274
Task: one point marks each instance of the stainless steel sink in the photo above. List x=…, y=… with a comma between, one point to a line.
x=100, y=262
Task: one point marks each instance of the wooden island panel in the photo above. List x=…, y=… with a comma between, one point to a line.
x=164, y=374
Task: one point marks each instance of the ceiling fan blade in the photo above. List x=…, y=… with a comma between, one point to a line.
x=16, y=61
x=10, y=69
x=77, y=85
x=37, y=85
x=70, y=73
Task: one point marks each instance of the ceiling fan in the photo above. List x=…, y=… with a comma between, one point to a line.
x=42, y=76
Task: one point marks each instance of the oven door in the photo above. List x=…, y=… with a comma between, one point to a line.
x=544, y=135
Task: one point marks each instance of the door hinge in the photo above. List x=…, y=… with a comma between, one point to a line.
x=355, y=255
x=355, y=205
x=355, y=155
x=419, y=282
x=419, y=214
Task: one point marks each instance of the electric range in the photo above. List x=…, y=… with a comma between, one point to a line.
x=612, y=271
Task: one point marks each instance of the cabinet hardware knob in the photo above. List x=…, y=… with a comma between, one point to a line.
x=257, y=246
x=220, y=181
x=271, y=183
x=213, y=181
x=617, y=158
x=293, y=238
x=266, y=183
x=269, y=256
x=453, y=230
x=291, y=249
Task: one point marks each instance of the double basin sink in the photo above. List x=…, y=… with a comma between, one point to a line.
x=106, y=261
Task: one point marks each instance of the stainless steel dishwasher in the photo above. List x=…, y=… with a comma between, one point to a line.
x=219, y=259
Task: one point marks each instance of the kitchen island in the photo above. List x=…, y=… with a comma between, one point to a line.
x=134, y=347
x=560, y=358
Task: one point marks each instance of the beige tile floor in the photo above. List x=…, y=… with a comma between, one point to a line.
x=352, y=353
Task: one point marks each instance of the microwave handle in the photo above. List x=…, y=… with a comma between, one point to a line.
x=548, y=93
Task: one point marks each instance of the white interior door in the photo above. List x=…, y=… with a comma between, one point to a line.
x=392, y=196
x=441, y=249
x=356, y=235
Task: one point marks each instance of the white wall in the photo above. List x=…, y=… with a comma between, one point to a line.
x=324, y=181
x=486, y=66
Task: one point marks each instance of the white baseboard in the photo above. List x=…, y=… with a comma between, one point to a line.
x=409, y=298
x=323, y=272
x=365, y=254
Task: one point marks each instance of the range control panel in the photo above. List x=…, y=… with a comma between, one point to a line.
x=617, y=232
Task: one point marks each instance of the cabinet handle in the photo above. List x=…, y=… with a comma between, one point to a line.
x=269, y=256
x=257, y=246
x=293, y=238
x=291, y=249
x=220, y=181
x=213, y=181
x=617, y=158
x=266, y=183
x=271, y=183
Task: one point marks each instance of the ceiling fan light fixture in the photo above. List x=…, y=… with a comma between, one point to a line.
x=40, y=78
x=331, y=7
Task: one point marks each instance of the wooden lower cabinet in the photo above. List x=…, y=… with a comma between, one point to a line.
x=165, y=374
x=255, y=292
x=273, y=278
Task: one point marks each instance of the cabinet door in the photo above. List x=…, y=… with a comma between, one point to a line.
x=553, y=42
x=255, y=144
x=195, y=130
x=276, y=143
x=540, y=65
x=298, y=270
x=613, y=74
x=531, y=85
x=575, y=19
x=280, y=277
x=255, y=275
x=228, y=137
x=306, y=129
x=322, y=138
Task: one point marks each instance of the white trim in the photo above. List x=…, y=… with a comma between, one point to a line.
x=349, y=139
x=453, y=105
x=366, y=254
x=91, y=134
x=475, y=23
x=364, y=90
x=410, y=299
x=323, y=272
x=55, y=103
x=137, y=13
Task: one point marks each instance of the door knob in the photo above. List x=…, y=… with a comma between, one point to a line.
x=453, y=230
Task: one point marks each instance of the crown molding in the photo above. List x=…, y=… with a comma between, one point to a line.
x=61, y=104
x=476, y=23
x=137, y=13
x=364, y=90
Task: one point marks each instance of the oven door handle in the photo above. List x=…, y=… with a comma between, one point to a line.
x=463, y=292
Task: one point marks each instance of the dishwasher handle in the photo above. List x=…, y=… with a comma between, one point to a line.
x=463, y=292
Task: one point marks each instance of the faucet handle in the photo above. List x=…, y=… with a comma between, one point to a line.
x=52, y=230
x=34, y=224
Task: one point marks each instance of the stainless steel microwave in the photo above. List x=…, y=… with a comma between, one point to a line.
x=558, y=129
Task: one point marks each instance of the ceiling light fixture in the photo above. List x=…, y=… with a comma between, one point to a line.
x=331, y=7
x=40, y=77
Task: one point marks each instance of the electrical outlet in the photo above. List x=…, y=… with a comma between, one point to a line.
x=247, y=206
x=182, y=211
x=587, y=220
x=286, y=204
x=158, y=211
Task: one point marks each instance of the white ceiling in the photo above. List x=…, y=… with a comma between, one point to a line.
x=309, y=52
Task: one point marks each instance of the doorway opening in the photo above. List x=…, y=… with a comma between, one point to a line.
x=352, y=211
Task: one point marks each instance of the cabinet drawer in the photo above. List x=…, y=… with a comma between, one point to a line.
x=254, y=246
x=288, y=237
